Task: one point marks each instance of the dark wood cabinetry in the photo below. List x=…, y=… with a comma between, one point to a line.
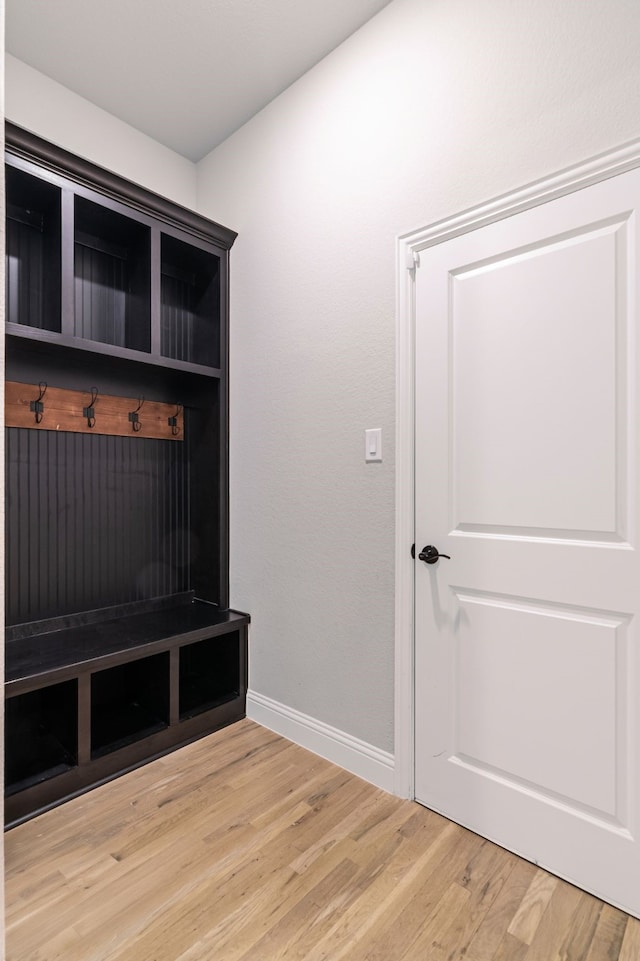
x=120, y=644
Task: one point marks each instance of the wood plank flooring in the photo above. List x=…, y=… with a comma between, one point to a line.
x=245, y=847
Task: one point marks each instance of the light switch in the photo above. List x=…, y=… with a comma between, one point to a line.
x=373, y=444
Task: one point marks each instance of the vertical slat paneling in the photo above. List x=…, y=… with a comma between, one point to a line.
x=33, y=265
x=185, y=481
x=58, y=506
x=179, y=323
x=190, y=303
x=100, y=284
x=92, y=521
x=24, y=280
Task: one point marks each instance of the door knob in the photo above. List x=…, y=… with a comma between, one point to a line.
x=430, y=554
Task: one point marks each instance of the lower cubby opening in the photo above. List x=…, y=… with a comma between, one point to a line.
x=129, y=702
x=209, y=673
x=41, y=735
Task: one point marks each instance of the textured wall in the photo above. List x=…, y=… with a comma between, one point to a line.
x=433, y=106
x=50, y=110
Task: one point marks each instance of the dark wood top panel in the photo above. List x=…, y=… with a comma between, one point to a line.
x=92, y=646
x=24, y=144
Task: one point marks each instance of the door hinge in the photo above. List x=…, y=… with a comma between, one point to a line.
x=413, y=259
x=413, y=551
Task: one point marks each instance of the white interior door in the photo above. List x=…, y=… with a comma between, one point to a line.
x=527, y=476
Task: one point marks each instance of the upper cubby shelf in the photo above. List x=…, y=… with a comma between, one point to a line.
x=190, y=298
x=112, y=277
x=96, y=264
x=33, y=251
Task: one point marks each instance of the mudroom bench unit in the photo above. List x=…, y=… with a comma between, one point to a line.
x=120, y=644
x=91, y=696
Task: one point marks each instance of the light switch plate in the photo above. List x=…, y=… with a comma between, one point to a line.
x=373, y=445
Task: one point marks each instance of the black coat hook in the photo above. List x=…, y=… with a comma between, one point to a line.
x=89, y=412
x=36, y=406
x=173, y=421
x=133, y=416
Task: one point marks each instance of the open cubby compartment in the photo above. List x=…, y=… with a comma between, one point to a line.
x=112, y=268
x=129, y=702
x=190, y=303
x=209, y=673
x=41, y=735
x=33, y=251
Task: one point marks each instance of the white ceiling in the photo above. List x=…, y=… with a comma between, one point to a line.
x=186, y=72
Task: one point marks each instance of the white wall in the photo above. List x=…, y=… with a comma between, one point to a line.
x=432, y=107
x=50, y=110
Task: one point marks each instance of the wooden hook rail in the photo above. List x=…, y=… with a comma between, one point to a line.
x=90, y=412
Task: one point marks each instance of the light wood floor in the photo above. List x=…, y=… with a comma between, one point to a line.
x=244, y=847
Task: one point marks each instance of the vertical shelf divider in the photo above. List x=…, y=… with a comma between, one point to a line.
x=84, y=719
x=174, y=686
x=156, y=257
x=67, y=271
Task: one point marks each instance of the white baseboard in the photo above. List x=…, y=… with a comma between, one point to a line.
x=350, y=753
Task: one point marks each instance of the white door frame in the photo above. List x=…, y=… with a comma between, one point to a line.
x=408, y=247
